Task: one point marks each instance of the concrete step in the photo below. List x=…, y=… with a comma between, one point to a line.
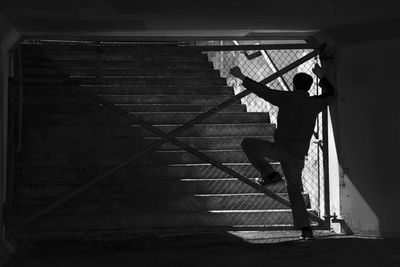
x=47, y=89
x=202, y=175
x=161, y=220
x=132, y=72
x=142, y=188
x=157, y=203
x=102, y=117
x=83, y=145
x=206, y=130
x=129, y=80
x=98, y=119
x=79, y=108
x=228, y=129
x=39, y=90
x=124, y=48
x=130, y=49
x=131, y=99
x=93, y=55
x=179, y=108
x=217, y=143
x=158, y=90
x=168, y=99
x=78, y=145
x=114, y=157
x=32, y=109
x=160, y=64
x=54, y=93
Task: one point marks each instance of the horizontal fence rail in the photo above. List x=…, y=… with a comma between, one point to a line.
x=216, y=48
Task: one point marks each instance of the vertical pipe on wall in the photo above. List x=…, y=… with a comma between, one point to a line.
x=20, y=101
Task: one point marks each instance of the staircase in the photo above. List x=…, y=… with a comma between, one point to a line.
x=68, y=139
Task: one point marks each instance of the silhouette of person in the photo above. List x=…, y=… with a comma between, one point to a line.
x=295, y=125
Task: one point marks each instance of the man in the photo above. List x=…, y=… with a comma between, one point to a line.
x=295, y=126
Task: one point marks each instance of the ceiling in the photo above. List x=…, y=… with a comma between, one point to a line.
x=192, y=17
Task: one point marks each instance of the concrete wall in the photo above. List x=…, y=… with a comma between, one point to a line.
x=367, y=126
x=8, y=37
x=191, y=18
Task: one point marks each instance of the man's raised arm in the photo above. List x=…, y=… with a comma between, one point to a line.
x=273, y=96
x=328, y=91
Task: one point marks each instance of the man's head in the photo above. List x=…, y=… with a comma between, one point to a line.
x=302, y=81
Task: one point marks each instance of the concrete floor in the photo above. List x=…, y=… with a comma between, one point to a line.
x=229, y=249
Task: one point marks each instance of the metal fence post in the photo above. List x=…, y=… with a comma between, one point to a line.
x=325, y=156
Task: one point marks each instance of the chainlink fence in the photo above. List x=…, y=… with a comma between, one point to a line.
x=257, y=65
x=170, y=186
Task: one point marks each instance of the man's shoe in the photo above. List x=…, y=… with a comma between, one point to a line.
x=306, y=233
x=271, y=178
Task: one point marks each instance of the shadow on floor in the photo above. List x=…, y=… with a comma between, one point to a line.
x=248, y=249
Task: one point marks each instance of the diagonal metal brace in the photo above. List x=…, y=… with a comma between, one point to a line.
x=171, y=136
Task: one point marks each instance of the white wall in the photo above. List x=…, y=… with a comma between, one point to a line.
x=368, y=135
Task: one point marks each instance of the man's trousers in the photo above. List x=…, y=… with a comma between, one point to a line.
x=257, y=150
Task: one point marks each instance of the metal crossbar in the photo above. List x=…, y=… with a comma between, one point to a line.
x=209, y=48
x=171, y=137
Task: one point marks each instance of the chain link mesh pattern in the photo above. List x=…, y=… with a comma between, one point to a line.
x=258, y=65
x=180, y=190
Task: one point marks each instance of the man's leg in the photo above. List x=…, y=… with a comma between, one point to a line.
x=293, y=170
x=256, y=151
